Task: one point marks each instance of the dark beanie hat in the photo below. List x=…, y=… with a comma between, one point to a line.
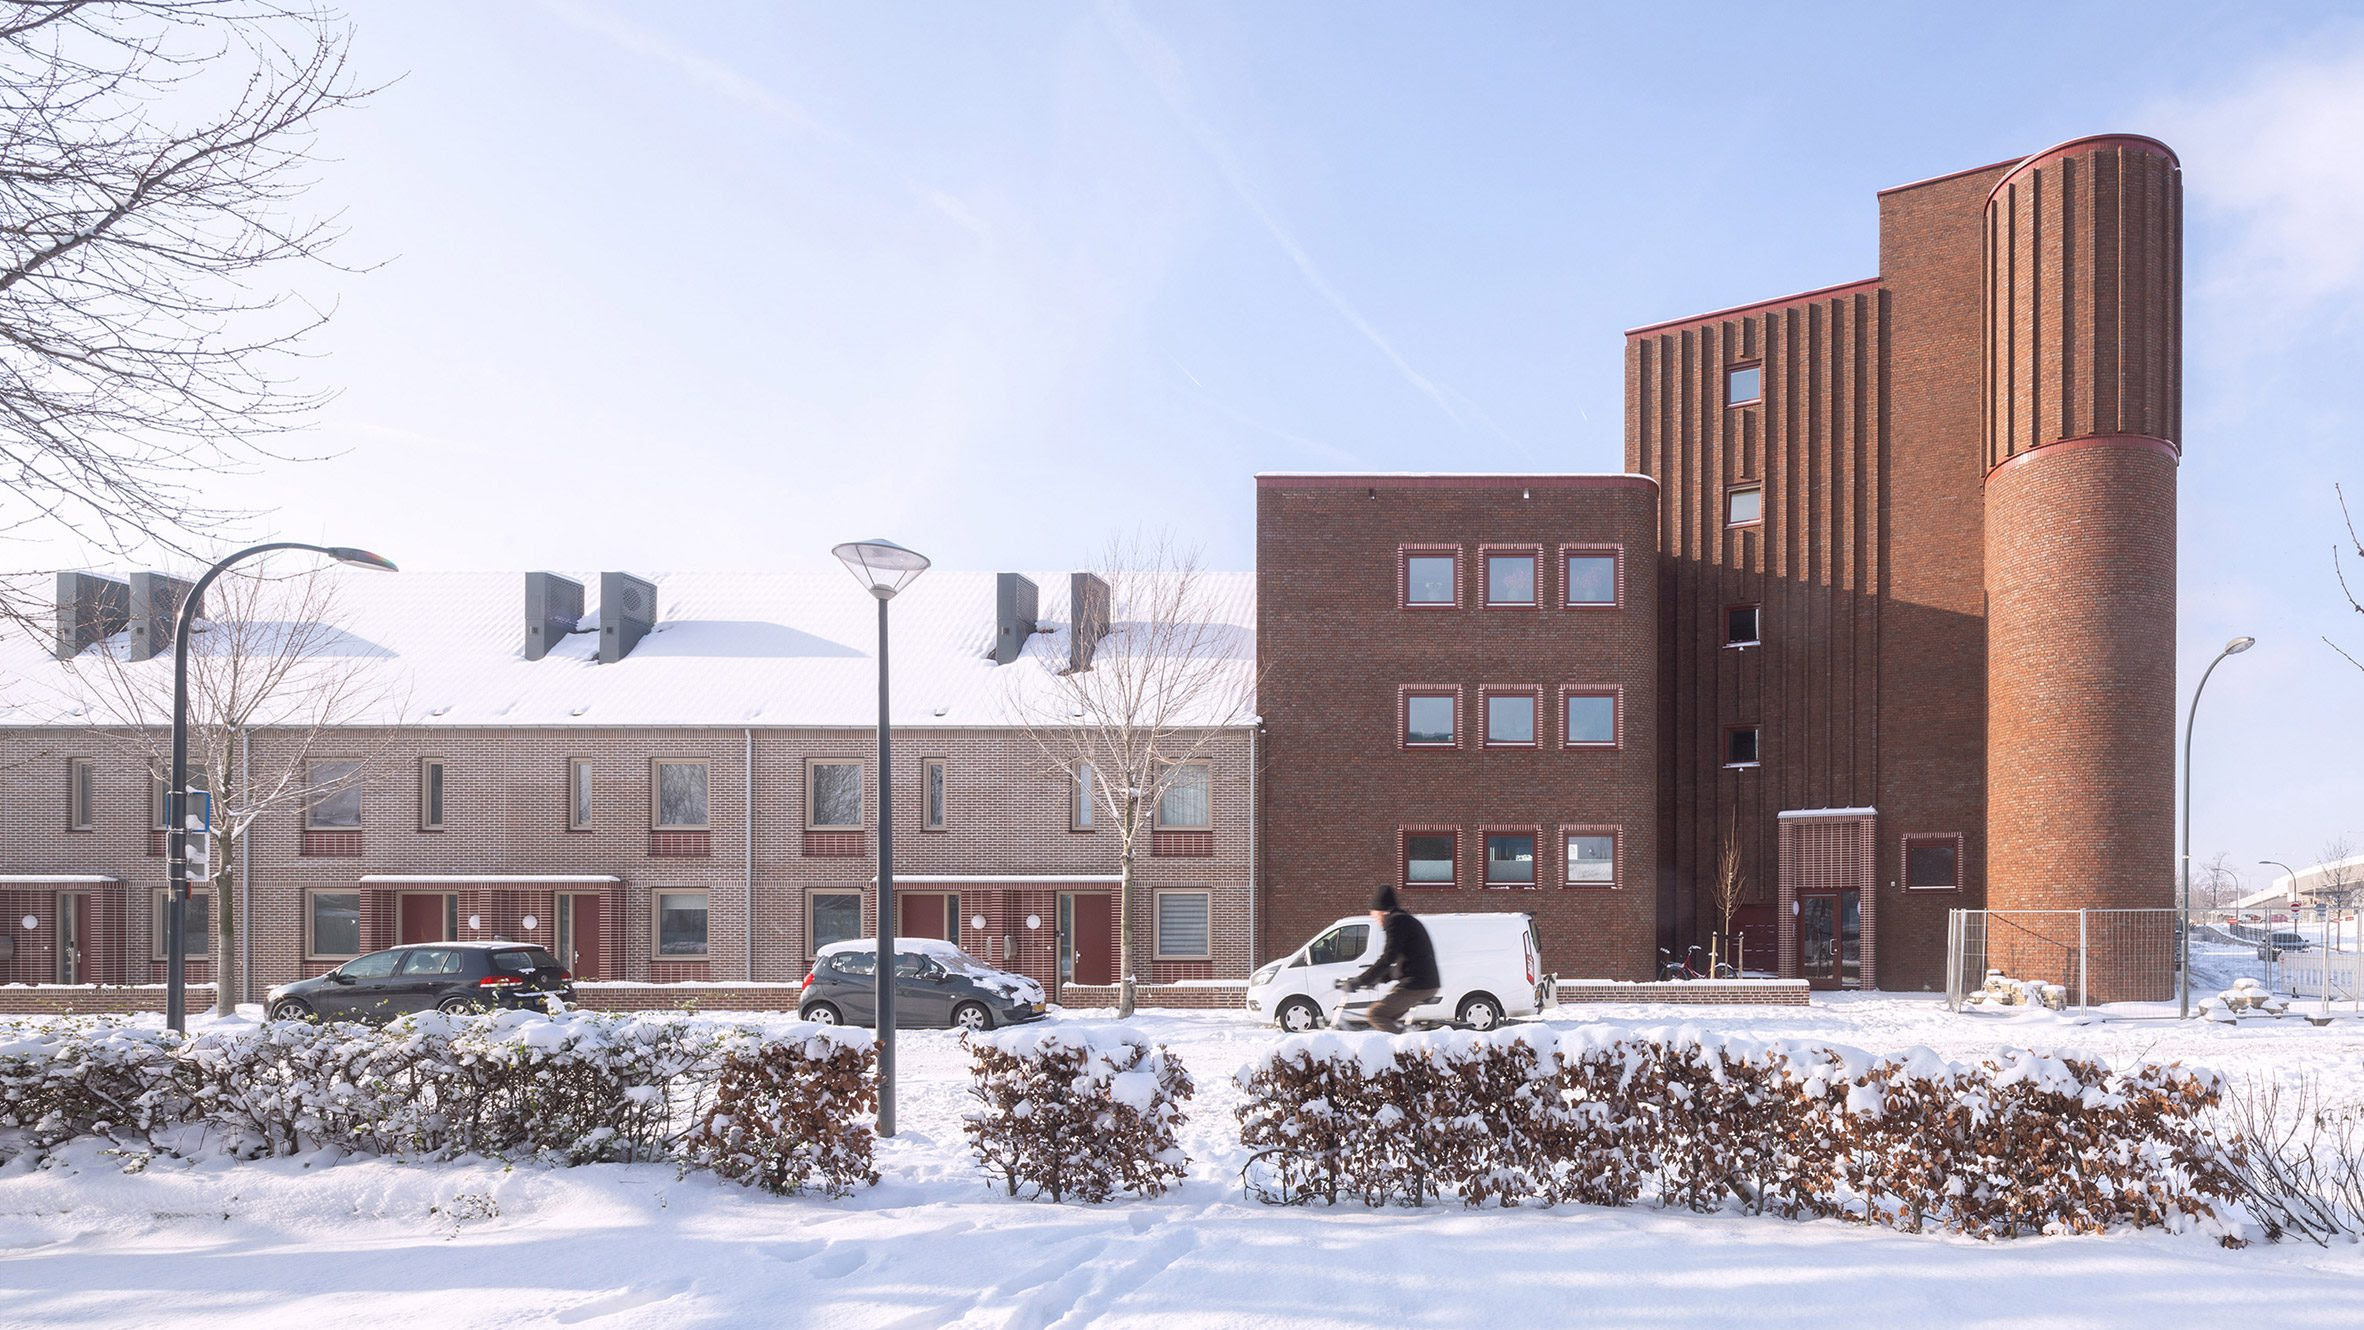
x=1384, y=899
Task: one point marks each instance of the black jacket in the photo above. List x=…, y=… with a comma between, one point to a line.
x=1409, y=958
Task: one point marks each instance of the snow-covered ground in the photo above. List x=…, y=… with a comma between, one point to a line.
x=319, y=1242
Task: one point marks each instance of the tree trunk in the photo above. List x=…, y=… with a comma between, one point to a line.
x=1124, y=911
x=225, y=932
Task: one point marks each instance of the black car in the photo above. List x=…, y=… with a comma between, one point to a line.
x=426, y=976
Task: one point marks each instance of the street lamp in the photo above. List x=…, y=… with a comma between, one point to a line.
x=884, y=568
x=2267, y=947
x=176, y=819
x=2184, y=932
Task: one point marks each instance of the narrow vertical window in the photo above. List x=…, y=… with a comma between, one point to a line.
x=81, y=793
x=932, y=780
x=1082, y=799
x=578, y=794
x=431, y=777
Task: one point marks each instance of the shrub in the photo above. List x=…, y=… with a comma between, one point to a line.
x=1074, y=1113
x=73, y=1077
x=784, y=1116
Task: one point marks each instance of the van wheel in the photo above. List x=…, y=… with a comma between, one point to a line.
x=1480, y=1012
x=1297, y=1015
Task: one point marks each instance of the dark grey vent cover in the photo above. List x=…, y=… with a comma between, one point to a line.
x=155, y=612
x=627, y=611
x=1016, y=609
x=91, y=607
x=1087, y=618
x=553, y=608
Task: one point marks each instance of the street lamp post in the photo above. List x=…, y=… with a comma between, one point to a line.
x=2271, y=954
x=2184, y=932
x=176, y=819
x=884, y=568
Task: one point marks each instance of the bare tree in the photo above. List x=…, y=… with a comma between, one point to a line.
x=276, y=689
x=151, y=154
x=1161, y=688
x=2340, y=571
x=2218, y=882
x=1730, y=886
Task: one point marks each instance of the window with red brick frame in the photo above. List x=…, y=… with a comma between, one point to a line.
x=1510, y=576
x=1428, y=858
x=1510, y=716
x=1428, y=717
x=1592, y=577
x=1511, y=856
x=1428, y=577
x=1933, y=862
x=1588, y=856
x=1592, y=716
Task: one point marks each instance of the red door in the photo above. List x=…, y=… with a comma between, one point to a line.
x=1089, y=939
x=924, y=914
x=423, y=918
x=578, y=935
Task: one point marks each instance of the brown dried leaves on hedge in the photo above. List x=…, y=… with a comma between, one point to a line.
x=1076, y=1113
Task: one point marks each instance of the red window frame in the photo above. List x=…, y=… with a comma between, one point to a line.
x=1403, y=858
x=1486, y=554
x=1536, y=858
x=1404, y=554
x=1905, y=857
x=1485, y=727
x=1616, y=837
x=1616, y=696
x=1616, y=598
x=1403, y=714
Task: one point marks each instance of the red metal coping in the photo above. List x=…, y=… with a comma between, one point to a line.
x=1342, y=481
x=2150, y=442
x=1818, y=293
x=2089, y=143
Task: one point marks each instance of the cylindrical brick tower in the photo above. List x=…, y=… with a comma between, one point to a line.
x=2084, y=298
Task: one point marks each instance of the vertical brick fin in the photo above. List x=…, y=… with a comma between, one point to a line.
x=2084, y=273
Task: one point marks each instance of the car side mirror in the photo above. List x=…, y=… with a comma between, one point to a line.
x=340, y=976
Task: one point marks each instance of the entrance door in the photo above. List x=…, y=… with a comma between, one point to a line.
x=926, y=914
x=578, y=934
x=425, y=917
x=1830, y=939
x=1087, y=938
x=73, y=926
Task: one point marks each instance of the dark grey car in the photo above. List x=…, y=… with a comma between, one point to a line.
x=936, y=983
x=426, y=976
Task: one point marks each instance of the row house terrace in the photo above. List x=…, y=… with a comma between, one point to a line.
x=668, y=779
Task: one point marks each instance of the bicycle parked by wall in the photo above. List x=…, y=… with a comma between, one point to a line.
x=1689, y=968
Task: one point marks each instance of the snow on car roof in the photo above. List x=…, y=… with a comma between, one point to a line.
x=904, y=946
x=767, y=649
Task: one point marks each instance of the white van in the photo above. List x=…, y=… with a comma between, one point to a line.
x=1489, y=965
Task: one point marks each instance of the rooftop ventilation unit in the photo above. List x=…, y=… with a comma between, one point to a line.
x=1087, y=619
x=627, y=613
x=91, y=607
x=155, y=611
x=1016, y=609
x=553, y=608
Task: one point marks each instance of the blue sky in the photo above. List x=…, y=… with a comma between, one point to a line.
x=718, y=285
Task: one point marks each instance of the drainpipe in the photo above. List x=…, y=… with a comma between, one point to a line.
x=245, y=876
x=1255, y=818
x=749, y=840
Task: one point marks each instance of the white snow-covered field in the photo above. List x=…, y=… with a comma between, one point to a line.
x=318, y=1242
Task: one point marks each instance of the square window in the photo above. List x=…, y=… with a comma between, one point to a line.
x=1182, y=932
x=836, y=917
x=834, y=801
x=1510, y=859
x=1182, y=804
x=1592, y=579
x=1510, y=579
x=1741, y=746
x=1744, y=384
x=1431, y=579
x=679, y=795
x=1510, y=719
x=1428, y=858
x=680, y=925
x=431, y=778
x=1592, y=859
x=1592, y=719
x=578, y=794
x=1744, y=506
x=1932, y=863
x=335, y=803
x=1742, y=625
x=334, y=918
x=1430, y=720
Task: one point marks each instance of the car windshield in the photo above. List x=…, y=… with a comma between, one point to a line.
x=524, y=960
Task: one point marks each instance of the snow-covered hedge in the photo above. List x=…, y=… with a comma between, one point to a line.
x=578, y=1088
x=1076, y=1112
x=2018, y=1143
x=787, y=1115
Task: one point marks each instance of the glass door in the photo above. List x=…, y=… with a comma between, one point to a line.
x=1830, y=939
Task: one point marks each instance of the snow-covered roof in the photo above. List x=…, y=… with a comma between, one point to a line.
x=729, y=649
x=904, y=946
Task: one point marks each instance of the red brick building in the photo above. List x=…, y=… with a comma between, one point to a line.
x=1913, y=605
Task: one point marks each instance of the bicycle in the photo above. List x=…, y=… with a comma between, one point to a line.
x=1687, y=968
